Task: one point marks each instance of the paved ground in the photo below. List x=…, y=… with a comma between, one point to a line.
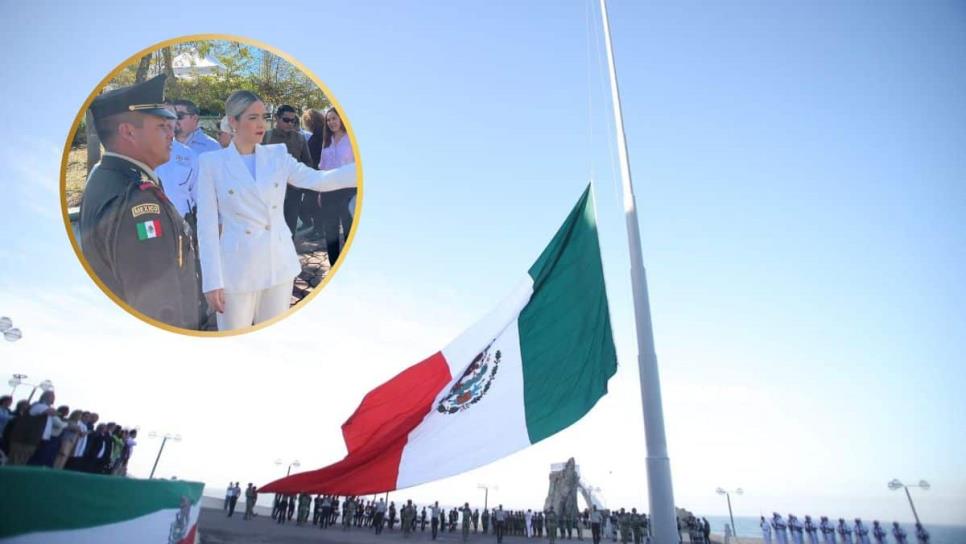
x=216, y=528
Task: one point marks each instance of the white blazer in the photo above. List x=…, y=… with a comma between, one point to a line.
x=254, y=250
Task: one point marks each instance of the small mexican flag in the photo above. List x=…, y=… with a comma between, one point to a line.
x=43, y=506
x=532, y=367
x=149, y=229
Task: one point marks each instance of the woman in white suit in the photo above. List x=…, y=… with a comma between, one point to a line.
x=248, y=259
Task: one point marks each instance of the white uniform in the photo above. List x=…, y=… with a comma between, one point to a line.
x=781, y=534
x=253, y=259
x=845, y=533
x=795, y=528
x=828, y=531
x=528, y=517
x=766, y=531
x=179, y=177
x=811, y=531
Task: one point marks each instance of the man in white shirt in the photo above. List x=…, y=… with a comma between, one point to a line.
x=187, y=130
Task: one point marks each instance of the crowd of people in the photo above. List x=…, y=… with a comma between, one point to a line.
x=189, y=229
x=41, y=434
x=826, y=531
x=348, y=513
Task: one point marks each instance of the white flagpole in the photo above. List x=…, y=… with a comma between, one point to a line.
x=659, y=491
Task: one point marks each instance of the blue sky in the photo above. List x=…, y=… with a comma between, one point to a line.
x=802, y=195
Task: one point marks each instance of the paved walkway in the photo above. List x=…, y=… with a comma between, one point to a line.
x=216, y=528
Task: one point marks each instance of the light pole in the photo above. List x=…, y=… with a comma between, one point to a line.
x=15, y=382
x=10, y=333
x=164, y=440
x=295, y=464
x=896, y=484
x=727, y=494
x=486, y=492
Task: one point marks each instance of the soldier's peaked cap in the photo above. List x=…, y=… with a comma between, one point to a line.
x=145, y=97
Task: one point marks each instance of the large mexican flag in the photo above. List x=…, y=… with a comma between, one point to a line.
x=44, y=506
x=532, y=367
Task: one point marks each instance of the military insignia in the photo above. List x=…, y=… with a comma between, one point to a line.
x=142, y=209
x=473, y=384
x=182, y=522
x=149, y=229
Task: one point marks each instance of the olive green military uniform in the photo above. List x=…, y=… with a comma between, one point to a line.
x=133, y=238
x=551, y=521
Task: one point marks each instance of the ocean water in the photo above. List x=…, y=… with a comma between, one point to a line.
x=940, y=534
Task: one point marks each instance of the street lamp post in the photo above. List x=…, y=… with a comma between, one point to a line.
x=727, y=494
x=164, y=440
x=10, y=333
x=18, y=379
x=896, y=484
x=295, y=464
x=15, y=382
x=486, y=493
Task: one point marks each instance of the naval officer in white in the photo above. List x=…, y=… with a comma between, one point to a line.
x=248, y=259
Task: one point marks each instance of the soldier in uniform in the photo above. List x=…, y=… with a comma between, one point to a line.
x=878, y=533
x=467, y=519
x=132, y=236
x=828, y=531
x=624, y=521
x=861, y=532
x=637, y=526
x=485, y=520
x=499, y=523
x=434, y=519
x=899, y=533
x=550, y=519
x=811, y=530
x=845, y=532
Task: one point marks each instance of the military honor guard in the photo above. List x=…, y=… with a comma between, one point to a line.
x=778, y=524
x=811, y=531
x=845, y=532
x=828, y=531
x=133, y=237
x=922, y=535
x=878, y=533
x=795, y=528
x=861, y=532
x=899, y=533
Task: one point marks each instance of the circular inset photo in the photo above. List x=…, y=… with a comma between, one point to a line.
x=209, y=185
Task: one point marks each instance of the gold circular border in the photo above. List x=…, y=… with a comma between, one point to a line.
x=80, y=116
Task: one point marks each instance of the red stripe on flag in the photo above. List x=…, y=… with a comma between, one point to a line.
x=190, y=537
x=376, y=434
x=157, y=228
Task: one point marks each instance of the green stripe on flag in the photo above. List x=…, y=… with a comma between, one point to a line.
x=142, y=232
x=566, y=341
x=42, y=499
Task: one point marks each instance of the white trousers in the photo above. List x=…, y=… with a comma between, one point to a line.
x=251, y=308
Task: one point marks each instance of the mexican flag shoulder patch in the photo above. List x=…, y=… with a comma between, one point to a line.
x=149, y=229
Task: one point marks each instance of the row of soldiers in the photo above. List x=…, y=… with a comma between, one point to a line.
x=831, y=533
x=357, y=512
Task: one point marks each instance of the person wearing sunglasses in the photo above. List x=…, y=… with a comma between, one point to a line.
x=188, y=131
x=287, y=132
x=248, y=259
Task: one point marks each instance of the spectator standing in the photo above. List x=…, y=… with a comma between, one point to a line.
x=286, y=132
x=334, y=212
